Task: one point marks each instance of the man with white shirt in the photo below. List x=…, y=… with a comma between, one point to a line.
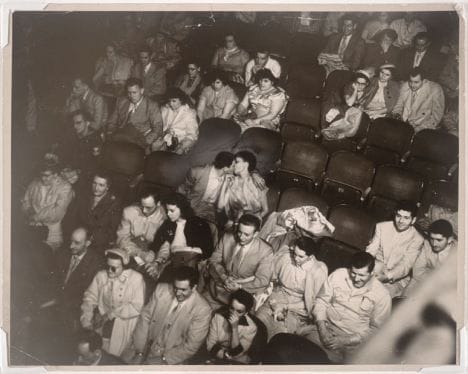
x=136, y=118
x=203, y=183
x=396, y=245
x=240, y=261
x=436, y=249
x=153, y=75
x=262, y=60
x=421, y=102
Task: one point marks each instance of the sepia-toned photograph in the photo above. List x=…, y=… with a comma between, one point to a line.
x=220, y=187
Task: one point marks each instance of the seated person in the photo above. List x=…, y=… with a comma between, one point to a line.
x=136, y=118
x=231, y=59
x=232, y=331
x=351, y=306
x=90, y=352
x=297, y=279
x=383, y=51
x=396, y=245
x=263, y=103
x=382, y=93
x=435, y=251
x=85, y=99
x=243, y=192
x=218, y=99
x=191, y=83
x=152, y=75
x=421, y=102
x=344, y=51
x=261, y=61
x=373, y=26
x=240, y=261
x=113, y=302
x=183, y=238
x=180, y=126
x=46, y=201
x=406, y=28
x=342, y=110
x=203, y=184
x=173, y=325
x=139, y=225
x=111, y=72
x=165, y=50
x=99, y=210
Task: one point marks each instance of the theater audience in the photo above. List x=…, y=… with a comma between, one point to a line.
x=136, y=119
x=297, y=278
x=263, y=103
x=152, y=75
x=241, y=260
x=203, y=184
x=261, y=61
x=435, y=251
x=191, y=83
x=421, y=102
x=173, y=325
x=111, y=72
x=83, y=98
x=138, y=227
x=46, y=200
x=383, y=51
x=406, y=28
x=99, y=210
x=374, y=26
x=243, y=192
x=231, y=59
x=218, y=99
x=351, y=306
x=182, y=240
x=90, y=352
x=180, y=125
x=113, y=302
x=232, y=330
x=165, y=50
x=396, y=245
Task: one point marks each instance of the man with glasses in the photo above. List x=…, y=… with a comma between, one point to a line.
x=46, y=201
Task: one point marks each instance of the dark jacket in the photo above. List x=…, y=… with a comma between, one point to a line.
x=354, y=51
x=431, y=63
x=197, y=234
x=376, y=57
x=391, y=93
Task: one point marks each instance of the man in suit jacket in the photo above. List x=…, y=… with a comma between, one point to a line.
x=99, y=210
x=421, y=102
x=84, y=98
x=173, y=325
x=203, y=183
x=240, y=261
x=422, y=56
x=348, y=45
x=136, y=119
x=152, y=75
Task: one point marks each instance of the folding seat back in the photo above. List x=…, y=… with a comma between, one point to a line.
x=388, y=141
x=302, y=120
x=393, y=184
x=305, y=47
x=305, y=81
x=335, y=254
x=441, y=193
x=336, y=81
x=302, y=164
x=215, y=135
x=434, y=154
x=348, y=178
x=296, y=197
x=265, y=144
x=123, y=158
x=166, y=169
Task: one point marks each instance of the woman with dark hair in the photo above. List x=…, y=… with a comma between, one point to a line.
x=191, y=82
x=218, y=99
x=243, y=192
x=180, y=126
x=183, y=238
x=383, y=51
x=382, y=93
x=263, y=103
x=113, y=302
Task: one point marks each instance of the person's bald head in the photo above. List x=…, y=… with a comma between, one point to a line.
x=79, y=241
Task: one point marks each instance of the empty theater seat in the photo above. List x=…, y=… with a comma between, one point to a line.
x=296, y=197
x=303, y=164
x=305, y=81
x=302, y=120
x=336, y=81
x=388, y=141
x=393, y=184
x=348, y=178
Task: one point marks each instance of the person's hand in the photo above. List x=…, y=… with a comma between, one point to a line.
x=337, y=342
x=355, y=86
x=324, y=333
x=382, y=276
x=220, y=354
x=249, y=122
x=231, y=286
x=234, y=320
x=153, y=269
x=279, y=314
